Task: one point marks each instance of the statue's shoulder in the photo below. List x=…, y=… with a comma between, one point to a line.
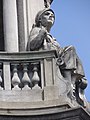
x=34, y=32
x=35, y=29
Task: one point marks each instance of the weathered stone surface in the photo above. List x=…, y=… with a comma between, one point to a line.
x=51, y=93
x=33, y=95
x=10, y=25
x=47, y=91
x=51, y=114
x=1, y=27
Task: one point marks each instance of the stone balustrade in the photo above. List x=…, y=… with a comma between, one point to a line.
x=28, y=84
x=26, y=71
x=25, y=76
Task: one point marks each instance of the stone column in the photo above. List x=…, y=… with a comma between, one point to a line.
x=22, y=24
x=10, y=25
x=33, y=7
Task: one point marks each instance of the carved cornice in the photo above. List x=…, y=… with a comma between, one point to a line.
x=21, y=56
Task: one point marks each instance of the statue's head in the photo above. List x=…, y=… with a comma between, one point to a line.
x=45, y=18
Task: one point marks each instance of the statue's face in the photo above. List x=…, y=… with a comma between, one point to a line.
x=47, y=18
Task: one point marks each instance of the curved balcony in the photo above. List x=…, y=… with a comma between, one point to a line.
x=27, y=77
x=28, y=87
x=23, y=75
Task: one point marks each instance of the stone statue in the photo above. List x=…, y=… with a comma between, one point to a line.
x=68, y=61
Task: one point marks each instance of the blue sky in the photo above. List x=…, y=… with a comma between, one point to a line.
x=72, y=27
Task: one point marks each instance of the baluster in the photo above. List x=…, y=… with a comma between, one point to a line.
x=25, y=79
x=35, y=78
x=15, y=78
x=1, y=88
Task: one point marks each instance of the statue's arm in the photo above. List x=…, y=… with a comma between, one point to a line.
x=36, y=39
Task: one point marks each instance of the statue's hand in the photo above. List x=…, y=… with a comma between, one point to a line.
x=49, y=38
x=43, y=29
x=43, y=33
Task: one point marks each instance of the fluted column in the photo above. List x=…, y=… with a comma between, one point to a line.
x=10, y=25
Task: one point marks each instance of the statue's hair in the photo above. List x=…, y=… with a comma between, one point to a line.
x=40, y=13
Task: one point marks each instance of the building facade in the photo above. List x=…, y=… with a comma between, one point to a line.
x=29, y=89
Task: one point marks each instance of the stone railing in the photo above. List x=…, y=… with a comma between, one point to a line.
x=26, y=71
x=29, y=84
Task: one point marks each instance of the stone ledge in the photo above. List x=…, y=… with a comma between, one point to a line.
x=34, y=111
x=54, y=113
x=27, y=56
x=34, y=105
